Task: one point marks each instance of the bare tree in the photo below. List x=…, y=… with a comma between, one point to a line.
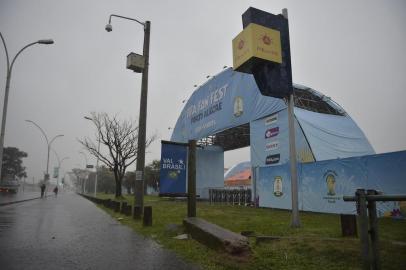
x=80, y=175
x=120, y=138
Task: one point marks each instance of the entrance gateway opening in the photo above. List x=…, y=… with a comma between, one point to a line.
x=239, y=137
x=245, y=118
x=238, y=174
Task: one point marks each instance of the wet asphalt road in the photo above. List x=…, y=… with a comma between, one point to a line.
x=70, y=232
x=22, y=194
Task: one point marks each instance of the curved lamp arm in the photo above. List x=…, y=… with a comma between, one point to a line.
x=5, y=48
x=53, y=139
x=127, y=18
x=41, y=41
x=65, y=158
x=42, y=131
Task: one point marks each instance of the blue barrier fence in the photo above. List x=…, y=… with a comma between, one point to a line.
x=323, y=184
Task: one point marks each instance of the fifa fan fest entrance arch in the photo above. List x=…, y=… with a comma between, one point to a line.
x=235, y=109
x=228, y=112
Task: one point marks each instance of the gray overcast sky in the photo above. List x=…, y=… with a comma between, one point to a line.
x=352, y=51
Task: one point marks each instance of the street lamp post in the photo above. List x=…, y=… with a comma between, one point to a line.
x=97, y=161
x=142, y=123
x=8, y=79
x=49, y=143
x=60, y=161
x=84, y=181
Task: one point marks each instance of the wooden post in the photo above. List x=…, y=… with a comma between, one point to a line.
x=373, y=230
x=147, y=219
x=348, y=225
x=123, y=207
x=191, y=180
x=137, y=212
x=363, y=227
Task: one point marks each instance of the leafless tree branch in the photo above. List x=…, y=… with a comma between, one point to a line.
x=120, y=138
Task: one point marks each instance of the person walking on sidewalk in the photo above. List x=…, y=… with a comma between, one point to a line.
x=42, y=189
x=56, y=191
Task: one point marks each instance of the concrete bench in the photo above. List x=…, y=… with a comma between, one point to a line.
x=216, y=237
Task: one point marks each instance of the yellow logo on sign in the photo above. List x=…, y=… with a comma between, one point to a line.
x=257, y=41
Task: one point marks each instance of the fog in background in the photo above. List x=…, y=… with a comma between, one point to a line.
x=351, y=51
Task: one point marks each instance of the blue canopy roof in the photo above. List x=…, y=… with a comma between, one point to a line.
x=231, y=99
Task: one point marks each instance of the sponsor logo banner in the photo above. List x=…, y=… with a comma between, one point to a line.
x=277, y=186
x=271, y=119
x=257, y=41
x=173, y=168
x=273, y=159
x=271, y=132
x=272, y=146
x=330, y=177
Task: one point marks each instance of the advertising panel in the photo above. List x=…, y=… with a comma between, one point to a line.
x=172, y=180
x=323, y=184
x=270, y=141
x=256, y=41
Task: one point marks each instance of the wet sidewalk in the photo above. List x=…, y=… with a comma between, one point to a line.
x=7, y=198
x=69, y=232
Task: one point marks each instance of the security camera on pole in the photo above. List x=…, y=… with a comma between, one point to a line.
x=139, y=63
x=263, y=49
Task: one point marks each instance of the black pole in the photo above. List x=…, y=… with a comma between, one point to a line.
x=191, y=180
x=142, y=124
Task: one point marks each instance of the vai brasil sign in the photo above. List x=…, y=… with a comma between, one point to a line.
x=172, y=179
x=263, y=49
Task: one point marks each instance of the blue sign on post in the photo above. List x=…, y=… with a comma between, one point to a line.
x=172, y=180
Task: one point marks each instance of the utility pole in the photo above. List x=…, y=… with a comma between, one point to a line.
x=142, y=125
x=295, y=223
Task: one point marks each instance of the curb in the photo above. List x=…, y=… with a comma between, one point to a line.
x=8, y=203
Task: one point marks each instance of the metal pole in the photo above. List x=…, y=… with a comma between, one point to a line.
x=98, y=151
x=97, y=166
x=373, y=231
x=363, y=227
x=59, y=166
x=49, y=149
x=293, y=165
x=47, y=141
x=142, y=124
x=191, y=184
x=7, y=90
x=295, y=223
x=85, y=178
x=3, y=121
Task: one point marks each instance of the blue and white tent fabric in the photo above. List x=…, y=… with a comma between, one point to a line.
x=334, y=155
x=232, y=99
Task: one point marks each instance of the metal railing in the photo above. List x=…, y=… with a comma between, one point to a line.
x=230, y=196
